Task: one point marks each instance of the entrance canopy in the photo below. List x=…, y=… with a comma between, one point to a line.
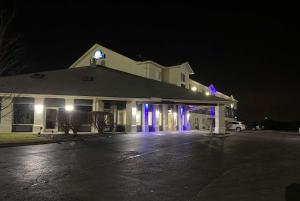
x=102, y=82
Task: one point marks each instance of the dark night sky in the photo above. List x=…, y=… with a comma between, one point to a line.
x=250, y=52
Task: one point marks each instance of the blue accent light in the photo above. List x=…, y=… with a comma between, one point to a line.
x=212, y=111
x=146, y=114
x=212, y=89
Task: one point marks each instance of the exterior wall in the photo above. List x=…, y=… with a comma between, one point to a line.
x=172, y=75
x=154, y=72
x=200, y=121
x=112, y=60
x=6, y=115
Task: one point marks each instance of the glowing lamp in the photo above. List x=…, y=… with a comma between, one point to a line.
x=39, y=108
x=175, y=115
x=231, y=105
x=207, y=93
x=99, y=55
x=194, y=88
x=69, y=108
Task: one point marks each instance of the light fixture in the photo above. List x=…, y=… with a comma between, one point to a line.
x=194, y=88
x=175, y=115
x=157, y=113
x=134, y=111
x=39, y=108
x=146, y=105
x=99, y=55
x=169, y=111
x=69, y=108
x=231, y=105
x=207, y=93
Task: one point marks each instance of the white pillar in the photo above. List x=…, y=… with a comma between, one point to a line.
x=155, y=117
x=175, y=117
x=187, y=119
x=180, y=116
x=6, y=115
x=98, y=105
x=39, y=114
x=131, y=116
x=145, y=110
x=165, y=117
x=220, y=119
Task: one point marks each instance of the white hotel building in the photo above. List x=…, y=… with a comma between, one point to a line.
x=142, y=96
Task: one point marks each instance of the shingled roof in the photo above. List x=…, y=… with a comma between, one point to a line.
x=100, y=82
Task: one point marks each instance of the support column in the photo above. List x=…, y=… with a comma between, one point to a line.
x=39, y=114
x=180, y=116
x=165, y=117
x=6, y=115
x=130, y=116
x=220, y=119
x=114, y=110
x=145, y=109
x=175, y=117
x=155, y=117
x=98, y=105
x=187, y=119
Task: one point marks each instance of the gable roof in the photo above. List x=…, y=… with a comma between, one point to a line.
x=100, y=82
x=91, y=51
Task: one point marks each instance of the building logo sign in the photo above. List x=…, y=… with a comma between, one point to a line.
x=99, y=55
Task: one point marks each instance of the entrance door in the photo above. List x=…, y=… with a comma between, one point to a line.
x=51, y=123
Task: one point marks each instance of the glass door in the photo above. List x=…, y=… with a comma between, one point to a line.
x=51, y=123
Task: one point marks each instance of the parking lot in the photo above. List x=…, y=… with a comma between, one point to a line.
x=175, y=166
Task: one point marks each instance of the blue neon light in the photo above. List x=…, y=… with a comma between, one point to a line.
x=212, y=111
x=212, y=89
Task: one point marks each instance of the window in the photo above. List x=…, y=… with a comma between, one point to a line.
x=121, y=117
x=182, y=77
x=23, y=114
x=55, y=102
x=84, y=108
x=138, y=118
x=150, y=118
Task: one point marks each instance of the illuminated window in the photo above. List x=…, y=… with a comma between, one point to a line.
x=138, y=118
x=121, y=117
x=150, y=118
x=160, y=119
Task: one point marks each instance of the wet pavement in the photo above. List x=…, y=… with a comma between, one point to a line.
x=248, y=166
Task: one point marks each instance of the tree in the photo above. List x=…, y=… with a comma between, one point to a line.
x=102, y=121
x=70, y=121
x=11, y=54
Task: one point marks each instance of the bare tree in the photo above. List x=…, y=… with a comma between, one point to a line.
x=11, y=52
x=102, y=121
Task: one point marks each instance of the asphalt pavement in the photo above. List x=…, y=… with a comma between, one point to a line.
x=167, y=166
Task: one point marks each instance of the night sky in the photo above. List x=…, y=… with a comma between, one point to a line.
x=250, y=51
